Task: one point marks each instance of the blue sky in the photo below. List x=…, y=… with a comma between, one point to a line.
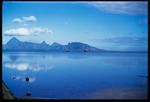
x=106, y=25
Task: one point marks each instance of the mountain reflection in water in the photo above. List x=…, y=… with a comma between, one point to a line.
x=76, y=75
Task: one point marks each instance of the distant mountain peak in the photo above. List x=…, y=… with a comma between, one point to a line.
x=13, y=40
x=55, y=44
x=43, y=42
x=77, y=44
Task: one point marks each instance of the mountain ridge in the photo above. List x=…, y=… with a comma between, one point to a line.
x=16, y=45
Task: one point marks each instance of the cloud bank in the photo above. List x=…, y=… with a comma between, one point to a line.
x=125, y=40
x=124, y=43
x=122, y=7
x=24, y=20
x=17, y=31
x=26, y=31
x=30, y=19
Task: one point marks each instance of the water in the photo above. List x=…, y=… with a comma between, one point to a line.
x=76, y=75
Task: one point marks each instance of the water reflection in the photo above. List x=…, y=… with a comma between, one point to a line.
x=72, y=55
x=13, y=58
x=16, y=77
x=118, y=93
x=19, y=66
x=44, y=56
x=71, y=78
x=27, y=66
x=28, y=79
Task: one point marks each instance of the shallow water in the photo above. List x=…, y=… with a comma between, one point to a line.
x=76, y=75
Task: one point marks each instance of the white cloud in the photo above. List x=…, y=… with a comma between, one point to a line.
x=26, y=31
x=18, y=31
x=17, y=20
x=30, y=18
x=122, y=7
x=25, y=20
x=37, y=30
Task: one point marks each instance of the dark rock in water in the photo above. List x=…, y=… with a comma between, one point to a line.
x=14, y=77
x=27, y=79
x=28, y=94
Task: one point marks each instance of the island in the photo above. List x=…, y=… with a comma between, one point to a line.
x=16, y=45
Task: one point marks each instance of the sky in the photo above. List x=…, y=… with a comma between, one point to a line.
x=120, y=26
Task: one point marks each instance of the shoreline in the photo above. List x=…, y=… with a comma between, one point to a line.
x=6, y=94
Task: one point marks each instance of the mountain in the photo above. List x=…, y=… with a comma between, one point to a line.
x=16, y=45
x=77, y=46
x=13, y=41
x=57, y=46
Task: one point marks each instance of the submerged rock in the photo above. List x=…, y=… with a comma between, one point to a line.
x=14, y=77
x=27, y=79
x=28, y=94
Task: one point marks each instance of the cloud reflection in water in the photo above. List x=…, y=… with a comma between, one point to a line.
x=22, y=78
x=31, y=79
x=26, y=66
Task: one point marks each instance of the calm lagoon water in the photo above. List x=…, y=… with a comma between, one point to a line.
x=76, y=75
